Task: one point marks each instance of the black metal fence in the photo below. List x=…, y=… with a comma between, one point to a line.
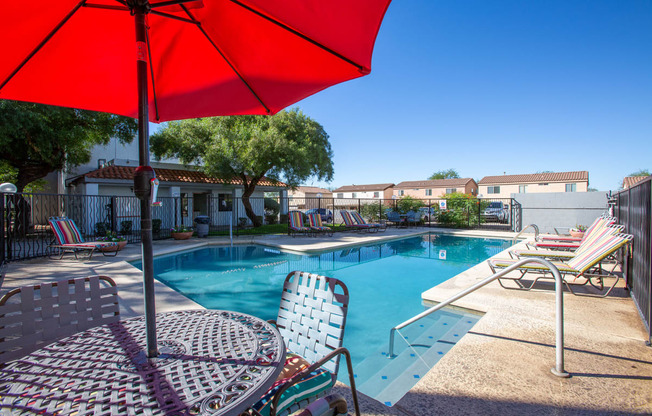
x=633, y=209
x=26, y=232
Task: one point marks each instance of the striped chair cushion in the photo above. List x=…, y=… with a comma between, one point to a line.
x=296, y=221
x=65, y=231
x=315, y=220
x=315, y=385
x=600, y=249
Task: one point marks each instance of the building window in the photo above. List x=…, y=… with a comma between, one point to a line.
x=522, y=189
x=493, y=189
x=543, y=184
x=451, y=190
x=571, y=187
x=376, y=194
x=354, y=195
x=340, y=195
x=428, y=192
x=400, y=193
x=224, y=202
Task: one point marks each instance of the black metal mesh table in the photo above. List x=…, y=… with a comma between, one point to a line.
x=211, y=362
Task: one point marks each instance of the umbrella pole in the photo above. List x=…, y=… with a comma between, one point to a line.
x=142, y=184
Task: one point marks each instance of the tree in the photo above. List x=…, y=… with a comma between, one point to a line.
x=445, y=174
x=37, y=139
x=288, y=146
x=640, y=172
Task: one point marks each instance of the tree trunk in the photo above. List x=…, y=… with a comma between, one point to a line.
x=249, y=188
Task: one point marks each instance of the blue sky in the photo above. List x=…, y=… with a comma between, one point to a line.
x=487, y=87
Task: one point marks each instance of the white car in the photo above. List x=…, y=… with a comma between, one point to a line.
x=496, y=212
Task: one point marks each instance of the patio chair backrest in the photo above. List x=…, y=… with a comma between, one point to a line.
x=599, y=250
x=597, y=234
x=358, y=218
x=65, y=231
x=393, y=216
x=312, y=316
x=315, y=220
x=32, y=317
x=346, y=216
x=296, y=219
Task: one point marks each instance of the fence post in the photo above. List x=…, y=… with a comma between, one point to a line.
x=114, y=214
x=2, y=227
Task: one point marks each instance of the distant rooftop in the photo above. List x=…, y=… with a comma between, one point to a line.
x=578, y=176
x=434, y=183
x=166, y=175
x=630, y=181
x=364, y=188
x=312, y=190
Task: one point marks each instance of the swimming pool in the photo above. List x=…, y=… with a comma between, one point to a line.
x=385, y=281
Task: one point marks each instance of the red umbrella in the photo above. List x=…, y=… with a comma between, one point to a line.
x=185, y=58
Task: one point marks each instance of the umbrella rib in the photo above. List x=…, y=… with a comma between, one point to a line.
x=282, y=25
x=43, y=42
x=226, y=60
x=151, y=72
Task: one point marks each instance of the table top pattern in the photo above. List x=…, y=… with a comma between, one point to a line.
x=210, y=362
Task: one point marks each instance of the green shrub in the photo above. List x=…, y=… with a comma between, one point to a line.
x=125, y=227
x=283, y=219
x=156, y=225
x=242, y=222
x=101, y=228
x=407, y=203
x=462, y=210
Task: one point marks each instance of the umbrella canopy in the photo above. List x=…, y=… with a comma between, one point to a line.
x=163, y=60
x=206, y=58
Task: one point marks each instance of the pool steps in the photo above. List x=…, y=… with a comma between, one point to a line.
x=387, y=380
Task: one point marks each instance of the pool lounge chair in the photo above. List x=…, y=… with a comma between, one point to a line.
x=316, y=225
x=585, y=266
x=568, y=254
x=296, y=224
x=601, y=221
x=351, y=224
x=311, y=319
x=68, y=239
x=358, y=219
x=592, y=233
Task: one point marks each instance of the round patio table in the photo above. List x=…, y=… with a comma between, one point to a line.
x=210, y=363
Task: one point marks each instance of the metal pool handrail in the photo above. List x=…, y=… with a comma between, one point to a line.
x=559, y=301
x=536, y=232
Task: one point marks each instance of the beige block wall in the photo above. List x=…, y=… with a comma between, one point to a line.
x=532, y=188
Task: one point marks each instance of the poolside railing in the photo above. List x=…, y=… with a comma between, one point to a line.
x=558, y=370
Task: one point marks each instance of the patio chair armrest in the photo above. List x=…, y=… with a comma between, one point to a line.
x=300, y=375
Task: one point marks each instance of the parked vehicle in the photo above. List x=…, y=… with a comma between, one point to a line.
x=497, y=211
x=325, y=214
x=428, y=214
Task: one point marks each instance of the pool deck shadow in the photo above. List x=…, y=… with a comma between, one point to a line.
x=502, y=367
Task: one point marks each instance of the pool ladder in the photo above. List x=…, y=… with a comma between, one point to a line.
x=558, y=370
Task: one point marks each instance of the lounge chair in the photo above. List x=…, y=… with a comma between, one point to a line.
x=585, y=266
x=314, y=220
x=32, y=317
x=311, y=319
x=591, y=234
x=358, y=219
x=568, y=254
x=296, y=224
x=395, y=218
x=601, y=221
x=351, y=224
x=68, y=239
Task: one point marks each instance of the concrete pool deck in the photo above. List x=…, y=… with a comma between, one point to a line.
x=501, y=367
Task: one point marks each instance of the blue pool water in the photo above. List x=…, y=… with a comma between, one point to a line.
x=385, y=281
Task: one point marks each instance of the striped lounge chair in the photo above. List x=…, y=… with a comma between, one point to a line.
x=68, y=239
x=569, y=245
x=358, y=218
x=314, y=220
x=585, y=266
x=565, y=254
x=296, y=225
x=351, y=224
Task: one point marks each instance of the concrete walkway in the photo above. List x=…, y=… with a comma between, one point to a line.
x=502, y=367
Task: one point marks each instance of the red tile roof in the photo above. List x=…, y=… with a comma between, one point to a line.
x=630, y=181
x=364, y=188
x=312, y=190
x=578, y=176
x=434, y=183
x=168, y=175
